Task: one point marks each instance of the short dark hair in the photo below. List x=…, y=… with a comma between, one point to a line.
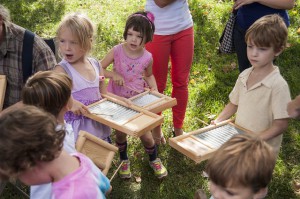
x=141, y=22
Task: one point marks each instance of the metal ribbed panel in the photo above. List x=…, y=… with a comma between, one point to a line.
x=113, y=111
x=144, y=100
x=218, y=136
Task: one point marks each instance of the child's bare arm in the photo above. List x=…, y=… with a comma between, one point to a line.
x=108, y=59
x=78, y=108
x=108, y=192
x=102, y=85
x=149, y=77
x=105, y=62
x=229, y=110
x=277, y=128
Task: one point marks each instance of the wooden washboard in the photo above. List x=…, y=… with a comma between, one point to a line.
x=133, y=120
x=201, y=144
x=153, y=101
x=99, y=151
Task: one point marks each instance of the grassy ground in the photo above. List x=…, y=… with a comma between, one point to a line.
x=212, y=78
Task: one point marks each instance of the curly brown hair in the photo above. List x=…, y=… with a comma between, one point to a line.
x=28, y=136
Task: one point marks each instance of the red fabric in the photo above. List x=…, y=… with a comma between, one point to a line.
x=180, y=49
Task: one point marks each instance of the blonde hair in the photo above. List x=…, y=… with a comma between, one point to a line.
x=244, y=160
x=81, y=27
x=5, y=14
x=268, y=31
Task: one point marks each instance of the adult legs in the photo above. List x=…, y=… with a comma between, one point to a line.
x=241, y=48
x=182, y=52
x=160, y=48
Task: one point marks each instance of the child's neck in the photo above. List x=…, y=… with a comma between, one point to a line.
x=263, y=71
x=62, y=166
x=132, y=54
x=60, y=117
x=258, y=74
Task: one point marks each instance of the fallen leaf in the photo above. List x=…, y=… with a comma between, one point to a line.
x=211, y=116
x=233, y=65
x=138, y=179
x=137, y=154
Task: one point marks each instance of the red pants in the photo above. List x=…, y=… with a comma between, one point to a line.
x=180, y=48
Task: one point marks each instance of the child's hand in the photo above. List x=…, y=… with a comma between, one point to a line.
x=213, y=122
x=154, y=89
x=127, y=101
x=118, y=79
x=78, y=108
x=293, y=110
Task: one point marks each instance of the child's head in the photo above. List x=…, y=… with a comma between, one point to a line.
x=268, y=31
x=81, y=28
x=48, y=90
x=142, y=22
x=28, y=136
x=244, y=163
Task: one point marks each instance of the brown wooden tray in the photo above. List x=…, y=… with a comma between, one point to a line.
x=153, y=101
x=133, y=120
x=99, y=151
x=201, y=144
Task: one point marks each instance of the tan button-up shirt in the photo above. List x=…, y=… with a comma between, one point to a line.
x=259, y=105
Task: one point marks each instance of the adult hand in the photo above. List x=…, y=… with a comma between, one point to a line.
x=163, y=3
x=239, y=3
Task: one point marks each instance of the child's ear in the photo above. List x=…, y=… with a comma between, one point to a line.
x=262, y=193
x=279, y=51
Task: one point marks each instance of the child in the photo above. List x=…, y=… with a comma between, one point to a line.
x=131, y=62
x=31, y=150
x=261, y=95
x=51, y=92
x=132, y=70
x=241, y=168
x=294, y=107
x=75, y=35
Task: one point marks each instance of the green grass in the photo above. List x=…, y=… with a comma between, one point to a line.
x=212, y=78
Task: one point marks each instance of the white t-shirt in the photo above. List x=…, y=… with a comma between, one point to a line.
x=172, y=18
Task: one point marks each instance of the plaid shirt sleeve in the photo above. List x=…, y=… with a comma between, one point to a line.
x=43, y=57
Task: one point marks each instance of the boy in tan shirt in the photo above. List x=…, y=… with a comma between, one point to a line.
x=261, y=94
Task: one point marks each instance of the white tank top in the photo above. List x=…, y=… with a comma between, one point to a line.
x=172, y=18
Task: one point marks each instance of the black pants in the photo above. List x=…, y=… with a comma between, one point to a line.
x=241, y=48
